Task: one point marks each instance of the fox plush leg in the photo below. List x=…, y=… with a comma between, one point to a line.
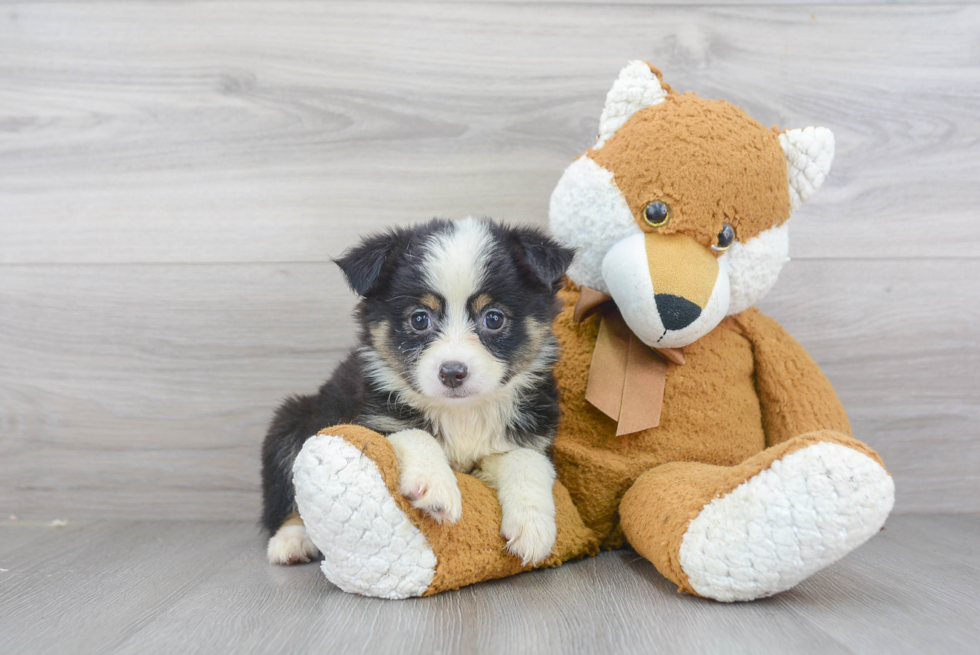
x=376, y=543
x=760, y=527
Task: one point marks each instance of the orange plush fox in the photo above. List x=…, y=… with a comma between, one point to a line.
x=694, y=429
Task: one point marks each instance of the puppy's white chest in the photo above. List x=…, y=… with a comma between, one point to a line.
x=469, y=435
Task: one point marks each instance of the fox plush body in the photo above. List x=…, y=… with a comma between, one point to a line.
x=693, y=428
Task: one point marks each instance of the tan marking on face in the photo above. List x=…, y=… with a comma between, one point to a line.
x=481, y=302
x=432, y=302
x=681, y=266
x=537, y=333
x=709, y=160
x=379, y=340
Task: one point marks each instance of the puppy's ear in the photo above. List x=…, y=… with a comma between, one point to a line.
x=364, y=263
x=544, y=256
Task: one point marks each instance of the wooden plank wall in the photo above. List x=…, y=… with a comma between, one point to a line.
x=174, y=177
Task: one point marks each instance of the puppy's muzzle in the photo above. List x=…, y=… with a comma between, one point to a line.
x=453, y=374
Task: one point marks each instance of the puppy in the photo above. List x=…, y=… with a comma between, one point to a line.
x=454, y=367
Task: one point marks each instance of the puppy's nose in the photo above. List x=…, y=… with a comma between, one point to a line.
x=676, y=312
x=452, y=374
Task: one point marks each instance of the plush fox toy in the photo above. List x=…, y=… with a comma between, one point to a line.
x=694, y=429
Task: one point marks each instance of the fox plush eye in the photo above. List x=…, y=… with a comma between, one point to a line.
x=493, y=320
x=657, y=214
x=420, y=321
x=725, y=238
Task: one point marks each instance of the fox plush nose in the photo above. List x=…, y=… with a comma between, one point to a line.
x=683, y=274
x=452, y=374
x=676, y=313
x=670, y=289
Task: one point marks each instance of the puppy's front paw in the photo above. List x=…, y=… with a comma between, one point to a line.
x=433, y=490
x=530, y=532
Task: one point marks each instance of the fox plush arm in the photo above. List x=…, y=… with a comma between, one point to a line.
x=794, y=394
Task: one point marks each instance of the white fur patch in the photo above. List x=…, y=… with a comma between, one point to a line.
x=454, y=267
x=370, y=546
x=636, y=88
x=455, y=259
x=803, y=513
x=589, y=213
x=290, y=545
x=809, y=154
x=754, y=266
x=467, y=428
x=627, y=277
x=425, y=476
x=524, y=480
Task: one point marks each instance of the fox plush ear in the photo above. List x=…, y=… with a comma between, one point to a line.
x=364, y=263
x=544, y=256
x=809, y=154
x=637, y=87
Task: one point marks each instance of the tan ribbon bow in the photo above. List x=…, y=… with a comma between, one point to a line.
x=627, y=377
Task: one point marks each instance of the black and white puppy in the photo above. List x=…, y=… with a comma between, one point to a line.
x=454, y=367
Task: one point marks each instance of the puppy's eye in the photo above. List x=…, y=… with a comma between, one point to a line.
x=657, y=214
x=725, y=238
x=493, y=320
x=420, y=321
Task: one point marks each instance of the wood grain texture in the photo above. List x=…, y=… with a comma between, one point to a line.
x=86, y=587
x=145, y=390
x=174, y=177
x=250, y=131
x=137, y=587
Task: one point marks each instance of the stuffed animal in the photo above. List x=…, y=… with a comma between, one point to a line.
x=694, y=428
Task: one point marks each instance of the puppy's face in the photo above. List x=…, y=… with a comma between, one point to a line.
x=456, y=310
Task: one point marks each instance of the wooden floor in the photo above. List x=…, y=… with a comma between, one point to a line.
x=204, y=587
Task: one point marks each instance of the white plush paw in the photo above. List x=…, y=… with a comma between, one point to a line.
x=291, y=545
x=369, y=546
x=803, y=513
x=530, y=532
x=434, y=490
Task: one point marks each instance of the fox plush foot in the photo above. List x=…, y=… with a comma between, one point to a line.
x=376, y=543
x=761, y=527
x=370, y=546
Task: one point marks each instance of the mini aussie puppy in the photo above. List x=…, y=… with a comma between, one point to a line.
x=454, y=367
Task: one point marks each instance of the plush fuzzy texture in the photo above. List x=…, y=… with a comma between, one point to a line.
x=587, y=190
x=346, y=503
x=753, y=267
x=715, y=165
x=804, y=512
x=377, y=544
x=744, y=386
x=658, y=511
x=752, y=480
x=637, y=87
x=809, y=154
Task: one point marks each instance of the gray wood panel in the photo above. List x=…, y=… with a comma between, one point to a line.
x=204, y=587
x=214, y=131
x=174, y=177
x=138, y=391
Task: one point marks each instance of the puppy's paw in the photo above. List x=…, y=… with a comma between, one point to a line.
x=434, y=490
x=291, y=545
x=530, y=532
